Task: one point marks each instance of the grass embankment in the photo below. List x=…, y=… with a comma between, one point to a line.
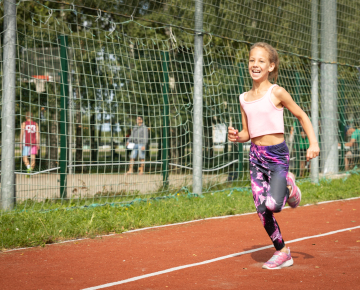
x=31, y=228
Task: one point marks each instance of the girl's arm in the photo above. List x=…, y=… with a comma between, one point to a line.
x=286, y=100
x=243, y=136
x=21, y=135
x=37, y=136
x=130, y=139
x=351, y=143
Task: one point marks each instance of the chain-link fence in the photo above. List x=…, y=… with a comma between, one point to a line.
x=96, y=76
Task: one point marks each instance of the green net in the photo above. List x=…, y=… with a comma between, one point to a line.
x=86, y=73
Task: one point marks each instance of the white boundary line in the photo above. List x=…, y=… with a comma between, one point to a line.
x=211, y=261
x=155, y=162
x=176, y=224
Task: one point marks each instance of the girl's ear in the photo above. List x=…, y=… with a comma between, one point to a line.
x=272, y=67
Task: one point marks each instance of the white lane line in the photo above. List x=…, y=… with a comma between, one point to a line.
x=330, y=201
x=176, y=224
x=212, y=260
x=189, y=222
x=230, y=216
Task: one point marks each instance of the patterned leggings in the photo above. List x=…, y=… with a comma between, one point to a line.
x=269, y=166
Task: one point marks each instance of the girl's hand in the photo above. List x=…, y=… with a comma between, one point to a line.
x=233, y=134
x=313, y=151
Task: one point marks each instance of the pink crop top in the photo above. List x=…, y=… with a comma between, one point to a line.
x=263, y=116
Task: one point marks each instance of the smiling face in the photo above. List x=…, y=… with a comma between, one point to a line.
x=259, y=64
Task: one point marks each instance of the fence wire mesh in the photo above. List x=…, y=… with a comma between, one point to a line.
x=85, y=73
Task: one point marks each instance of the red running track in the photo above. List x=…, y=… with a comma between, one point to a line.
x=328, y=262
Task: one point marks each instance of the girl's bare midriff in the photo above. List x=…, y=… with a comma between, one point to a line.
x=268, y=140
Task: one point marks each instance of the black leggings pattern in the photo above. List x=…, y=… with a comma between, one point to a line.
x=269, y=166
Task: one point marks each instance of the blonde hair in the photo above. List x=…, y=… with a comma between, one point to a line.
x=273, y=58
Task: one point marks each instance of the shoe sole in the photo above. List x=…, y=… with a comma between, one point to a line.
x=293, y=178
x=292, y=200
x=288, y=263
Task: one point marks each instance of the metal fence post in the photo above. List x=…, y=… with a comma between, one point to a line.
x=198, y=99
x=342, y=128
x=314, y=86
x=70, y=118
x=329, y=124
x=241, y=89
x=297, y=134
x=165, y=139
x=8, y=107
x=63, y=115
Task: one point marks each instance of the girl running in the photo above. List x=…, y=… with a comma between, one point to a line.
x=263, y=122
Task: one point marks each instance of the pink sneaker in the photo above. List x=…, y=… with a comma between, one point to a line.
x=295, y=194
x=279, y=260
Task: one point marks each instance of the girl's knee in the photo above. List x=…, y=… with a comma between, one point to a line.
x=272, y=205
x=261, y=209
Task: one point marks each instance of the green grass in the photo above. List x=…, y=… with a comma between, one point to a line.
x=33, y=228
